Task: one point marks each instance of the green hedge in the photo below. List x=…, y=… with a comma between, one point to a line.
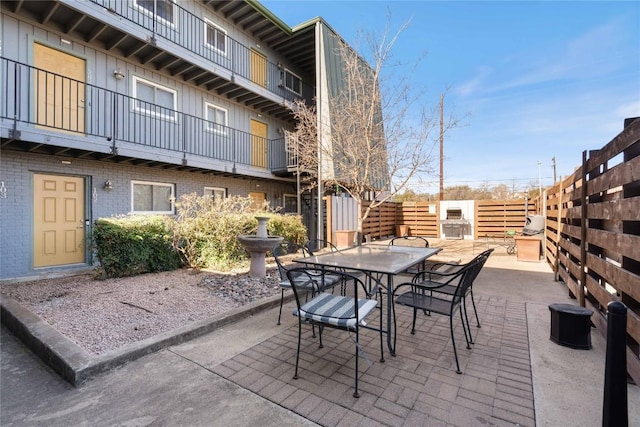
x=205, y=231
x=126, y=246
x=203, y=234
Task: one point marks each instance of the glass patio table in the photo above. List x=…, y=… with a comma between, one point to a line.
x=376, y=261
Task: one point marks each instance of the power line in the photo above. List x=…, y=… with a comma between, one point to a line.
x=508, y=180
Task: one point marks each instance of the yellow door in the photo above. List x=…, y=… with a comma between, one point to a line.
x=258, y=144
x=58, y=220
x=258, y=68
x=257, y=201
x=59, y=89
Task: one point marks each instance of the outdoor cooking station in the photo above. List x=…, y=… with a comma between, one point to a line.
x=454, y=225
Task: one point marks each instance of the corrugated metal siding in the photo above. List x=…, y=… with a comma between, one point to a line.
x=344, y=214
x=334, y=78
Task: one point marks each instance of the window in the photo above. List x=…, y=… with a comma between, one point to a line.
x=153, y=99
x=216, y=118
x=163, y=9
x=290, y=204
x=215, y=37
x=152, y=197
x=215, y=192
x=292, y=82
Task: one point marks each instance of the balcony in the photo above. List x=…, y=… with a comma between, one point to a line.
x=178, y=47
x=44, y=112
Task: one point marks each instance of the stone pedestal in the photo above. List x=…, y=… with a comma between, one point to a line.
x=258, y=245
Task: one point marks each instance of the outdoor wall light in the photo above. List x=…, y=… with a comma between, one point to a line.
x=108, y=186
x=119, y=75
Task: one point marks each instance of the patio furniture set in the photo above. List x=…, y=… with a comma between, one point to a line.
x=340, y=289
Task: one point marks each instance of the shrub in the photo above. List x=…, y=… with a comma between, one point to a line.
x=288, y=226
x=205, y=230
x=131, y=245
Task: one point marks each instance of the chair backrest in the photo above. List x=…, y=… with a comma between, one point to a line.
x=311, y=247
x=472, y=271
x=310, y=279
x=281, y=250
x=416, y=241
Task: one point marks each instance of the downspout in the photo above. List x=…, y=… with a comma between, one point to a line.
x=319, y=99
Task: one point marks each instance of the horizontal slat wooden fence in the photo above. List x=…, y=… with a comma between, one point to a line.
x=593, y=234
x=493, y=218
x=381, y=221
x=421, y=217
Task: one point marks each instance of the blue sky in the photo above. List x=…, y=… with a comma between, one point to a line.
x=533, y=80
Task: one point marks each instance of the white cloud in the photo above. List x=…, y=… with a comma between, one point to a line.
x=474, y=85
x=594, y=54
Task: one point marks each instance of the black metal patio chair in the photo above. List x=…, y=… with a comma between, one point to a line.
x=450, y=289
x=316, y=246
x=414, y=241
x=419, y=296
x=344, y=312
x=328, y=280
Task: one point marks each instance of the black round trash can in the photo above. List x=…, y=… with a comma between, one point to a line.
x=571, y=325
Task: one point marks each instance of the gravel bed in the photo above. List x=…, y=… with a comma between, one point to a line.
x=103, y=315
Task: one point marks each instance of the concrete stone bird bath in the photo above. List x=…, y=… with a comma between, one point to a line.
x=258, y=245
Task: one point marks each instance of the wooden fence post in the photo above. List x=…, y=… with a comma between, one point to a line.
x=558, y=227
x=329, y=213
x=583, y=231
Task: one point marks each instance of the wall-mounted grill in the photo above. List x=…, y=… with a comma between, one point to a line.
x=453, y=227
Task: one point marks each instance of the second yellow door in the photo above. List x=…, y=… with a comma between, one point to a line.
x=258, y=144
x=59, y=89
x=257, y=201
x=258, y=68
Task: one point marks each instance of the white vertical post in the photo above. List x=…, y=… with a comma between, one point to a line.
x=319, y=100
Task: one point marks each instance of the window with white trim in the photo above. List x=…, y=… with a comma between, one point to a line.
x=164, y=10
x=153, y=99
x=216, y=193
x=215, y=37
x=292, y=82
x=290, y=203
x=152, y=197
x=216, y=118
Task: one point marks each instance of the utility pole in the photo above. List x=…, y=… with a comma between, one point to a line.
x=553, y=165
x=441, y=146
x=539, y=180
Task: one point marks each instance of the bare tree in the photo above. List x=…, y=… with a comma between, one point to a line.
x=501, y=192
x=376, y=136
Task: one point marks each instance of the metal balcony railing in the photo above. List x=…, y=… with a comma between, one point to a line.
x=48, y=100
x=188, y=31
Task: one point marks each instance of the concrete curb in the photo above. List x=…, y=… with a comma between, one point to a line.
x=76, y=365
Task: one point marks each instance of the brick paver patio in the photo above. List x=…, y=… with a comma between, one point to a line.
x=419, y=386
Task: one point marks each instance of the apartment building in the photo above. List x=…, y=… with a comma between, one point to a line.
x=114, y=107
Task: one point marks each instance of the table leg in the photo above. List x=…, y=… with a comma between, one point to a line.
x=390, y=331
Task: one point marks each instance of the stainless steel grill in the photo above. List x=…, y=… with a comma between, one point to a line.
x=453, y=227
